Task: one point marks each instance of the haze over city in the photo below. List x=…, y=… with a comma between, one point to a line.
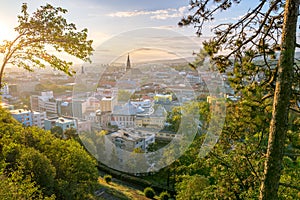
x=107, y=19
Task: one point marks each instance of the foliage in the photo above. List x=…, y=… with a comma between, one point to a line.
x=164, y=195
x=57, y=131
x=120, y=191
x=235, y=165
x=107, y=178
x=124, y=95
x=47, y=166
x=174, y=119
x=197, y=109
x=191, y=187
x=70, y=133
x=247, y=51
x=149, y=192
x=18, y=187
x=52, y=87
x=45, y=29
x=36, y=165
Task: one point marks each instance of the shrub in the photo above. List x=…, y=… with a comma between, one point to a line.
x=164, y=196
x=149, y=192
x=107, y=178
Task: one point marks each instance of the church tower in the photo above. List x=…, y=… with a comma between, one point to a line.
x=128, y=65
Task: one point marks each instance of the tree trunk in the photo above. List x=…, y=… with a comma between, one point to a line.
x=279, y=122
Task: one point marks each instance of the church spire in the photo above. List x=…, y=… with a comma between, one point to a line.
x=128, y=65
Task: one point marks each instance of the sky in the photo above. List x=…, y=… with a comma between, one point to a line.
x=107, y=19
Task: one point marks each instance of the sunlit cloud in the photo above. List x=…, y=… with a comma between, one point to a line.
x=154, y=14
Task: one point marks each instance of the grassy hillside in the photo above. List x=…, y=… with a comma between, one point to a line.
x=115, y=190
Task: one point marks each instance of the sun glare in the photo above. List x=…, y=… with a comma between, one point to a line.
x=5, y=33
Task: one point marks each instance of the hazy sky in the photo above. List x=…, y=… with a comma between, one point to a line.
x=107, y=18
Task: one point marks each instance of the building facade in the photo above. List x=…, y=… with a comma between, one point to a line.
x=44, y=103
x=130, y=139
x=107, y=104
x=63, y=122
x=23, y=116
x=38, y=119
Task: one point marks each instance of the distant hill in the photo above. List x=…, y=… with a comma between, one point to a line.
x=162, y=61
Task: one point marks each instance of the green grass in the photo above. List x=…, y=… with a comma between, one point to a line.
x=121, y=192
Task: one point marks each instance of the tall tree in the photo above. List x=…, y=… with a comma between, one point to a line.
x=46, y=29
x=253, y=43
x=279, y=122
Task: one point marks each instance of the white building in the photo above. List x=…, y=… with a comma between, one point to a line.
x=63, y=122
x=156, y=119
x=193, y=78
x=29, y=118
x=44, y=103
x=144, y=104
x=38, y=119
x=130, y=139
x=124, y=116
x=49, y=106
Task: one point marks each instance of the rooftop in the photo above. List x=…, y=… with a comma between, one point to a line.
x=131, y=135
x=61, y=119
x=19, y=111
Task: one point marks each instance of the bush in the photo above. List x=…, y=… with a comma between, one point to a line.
x=164, y=196
x=149, y=192
x=107, y=178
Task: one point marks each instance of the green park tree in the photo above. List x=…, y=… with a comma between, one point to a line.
x=57, y=131
x=191, y=187
x=46, y=29
x=262, y=42
x=36, y=165
x=124, y=95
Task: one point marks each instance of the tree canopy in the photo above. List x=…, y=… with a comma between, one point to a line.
x=41, y=33
x=34, y=164
x=258, y=53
